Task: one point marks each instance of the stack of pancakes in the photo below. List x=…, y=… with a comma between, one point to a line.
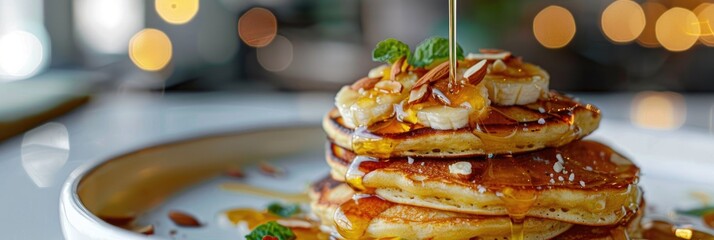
x=521, y=172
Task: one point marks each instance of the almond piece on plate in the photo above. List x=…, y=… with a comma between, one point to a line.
x=365, y=83
x=418, y=94
x=396, y=68
x=146, y=230
x=489, y=56
x=389, y=86
x=271, y=170
x=294, y=223
x=477, y=72
x=183, y=219
x=437, y=73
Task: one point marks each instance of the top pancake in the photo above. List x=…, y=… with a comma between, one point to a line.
x=552, y=122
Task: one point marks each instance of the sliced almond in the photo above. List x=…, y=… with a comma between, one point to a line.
x=498, y=66
x=477, y=72
x=235, y=173
x=271, y=170
x=434, y=74
x=418, y=94
x=438, y=95
x=146, y=230
x=294, y=223
x=489, y=56
x=396, y=68
x=183, y=219
x=365, y=83
x=389, y=86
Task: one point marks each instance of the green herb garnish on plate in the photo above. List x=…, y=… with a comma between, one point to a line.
x=271, y=229
x=283, y=210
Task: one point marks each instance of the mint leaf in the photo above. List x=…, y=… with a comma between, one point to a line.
x=433, y=50
x=390, y=50
x=271, y=229
x=698, y=212
x=283, y=210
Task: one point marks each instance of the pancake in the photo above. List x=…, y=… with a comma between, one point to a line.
x=553, y=122
x=593, y=184
x=373, y=218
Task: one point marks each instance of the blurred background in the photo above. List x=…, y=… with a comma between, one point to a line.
x=658, y=52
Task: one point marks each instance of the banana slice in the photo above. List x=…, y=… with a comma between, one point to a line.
x=512, y=82
x=443, y=117
x=363, y=107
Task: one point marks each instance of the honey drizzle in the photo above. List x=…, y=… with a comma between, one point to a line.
x=452, y=45
x=354, y=216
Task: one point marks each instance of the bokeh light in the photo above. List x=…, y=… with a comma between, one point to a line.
x=652, y=10
x=554, y=27
x=658, y=110
x=105, y=26
x=150, y=49
x=277, y=56
x=705, y=14
x=257, y=27
x=176, y=11
x=21, y=54
x=623, y=21
x=677, y=29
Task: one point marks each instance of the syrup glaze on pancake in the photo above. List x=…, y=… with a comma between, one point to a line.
x=594, y=185
x=364, y=216
x=503, y=130
x=594, y=164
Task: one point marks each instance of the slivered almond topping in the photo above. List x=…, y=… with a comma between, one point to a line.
x=365, y=83
x=437, y=73
x=477, y=72
x=489, y=56
x=396, y=68
x=498, y=66
x=183, y=219
x=389, y=86
x=418, y=94
x=440, y=96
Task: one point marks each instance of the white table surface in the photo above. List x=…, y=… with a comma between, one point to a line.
x=116, y=123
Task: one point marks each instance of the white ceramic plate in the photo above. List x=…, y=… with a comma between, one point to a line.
x=677, y=167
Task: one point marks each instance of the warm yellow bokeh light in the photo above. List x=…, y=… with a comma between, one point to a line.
x=554, y=27
x=658, y=110
x=623, y=21
x=705, y=14
x=648, y=37
x=677, y=29
x=150, y=49
x=257, y=27
x=176, y=11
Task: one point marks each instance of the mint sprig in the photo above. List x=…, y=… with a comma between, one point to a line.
x=271, y=229
x=433, y=50
x=390, y=50
x=283, y=210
